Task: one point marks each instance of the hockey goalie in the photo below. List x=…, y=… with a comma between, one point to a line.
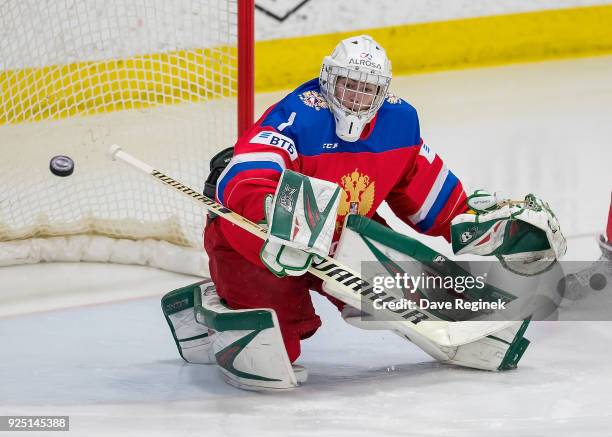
x=313, y=170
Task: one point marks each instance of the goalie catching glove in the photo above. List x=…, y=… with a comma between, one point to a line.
x=524, y=235
x=301, y=219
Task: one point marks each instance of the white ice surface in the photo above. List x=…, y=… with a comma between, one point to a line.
x=114, y=369
x=110, y=363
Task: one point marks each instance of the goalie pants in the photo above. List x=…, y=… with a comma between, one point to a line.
x=244, y=285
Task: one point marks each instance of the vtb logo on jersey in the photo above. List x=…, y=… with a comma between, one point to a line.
x=358, y=194
x=276, y=139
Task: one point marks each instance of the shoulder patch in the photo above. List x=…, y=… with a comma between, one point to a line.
x=276, y=139
x=393, y=99
x=427, y=153
x=314, y=99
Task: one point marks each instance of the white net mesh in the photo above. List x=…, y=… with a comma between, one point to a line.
x=157, y=77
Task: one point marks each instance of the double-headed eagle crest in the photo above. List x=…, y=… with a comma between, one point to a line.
x=357, y=195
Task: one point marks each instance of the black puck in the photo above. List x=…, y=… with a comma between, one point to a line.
x=598, y=282
x=61, y=165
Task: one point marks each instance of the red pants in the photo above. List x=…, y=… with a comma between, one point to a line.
x=244, y=285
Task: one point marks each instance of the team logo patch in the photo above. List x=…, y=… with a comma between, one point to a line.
x=286, y=199
x=358, y=193
x=393, y=99
x=466, y=236
x=277, y=140
x=439, y=259
x=314, y=99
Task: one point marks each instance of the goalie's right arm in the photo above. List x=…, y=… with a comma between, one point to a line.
x=301, y=218
x=260, y=157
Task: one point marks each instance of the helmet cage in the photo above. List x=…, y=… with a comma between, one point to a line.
x=356, y=83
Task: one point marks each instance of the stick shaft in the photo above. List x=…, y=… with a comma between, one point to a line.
x=206, y=202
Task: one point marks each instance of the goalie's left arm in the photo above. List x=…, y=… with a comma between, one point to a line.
x=429, y=195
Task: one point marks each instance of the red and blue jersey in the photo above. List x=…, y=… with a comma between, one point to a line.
x=390, y=162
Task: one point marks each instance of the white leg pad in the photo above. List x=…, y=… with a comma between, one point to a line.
x=248, y=345
x=500, y=350
x=494, y=352
x=193, y=340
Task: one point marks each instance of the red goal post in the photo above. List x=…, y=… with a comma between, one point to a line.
x=246, y=64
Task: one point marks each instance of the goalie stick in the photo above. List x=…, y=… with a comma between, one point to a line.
x=350, y=287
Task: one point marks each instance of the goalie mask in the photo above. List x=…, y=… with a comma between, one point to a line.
x=354, y=80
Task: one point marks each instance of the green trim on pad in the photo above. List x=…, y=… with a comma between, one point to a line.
x=179, y=300
x=287, y=196
x=226, y=356
x=195, y=337
x=431, y=259
x=250, y=320
x=516, y=350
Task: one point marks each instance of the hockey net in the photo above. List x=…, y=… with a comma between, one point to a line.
x=159, y=78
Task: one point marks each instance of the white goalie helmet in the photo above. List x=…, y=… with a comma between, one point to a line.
x=354, y=80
